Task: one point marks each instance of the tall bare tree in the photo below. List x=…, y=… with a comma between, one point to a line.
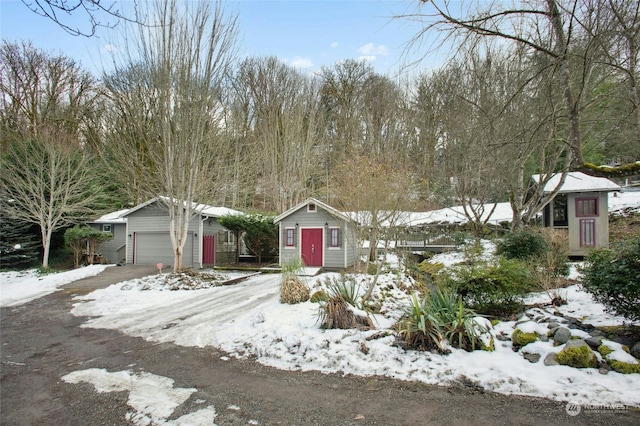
x=48, y=181
x=549, y=27
x=46, y=176
x=377, y=194
x=172, y=79
x=283, y=122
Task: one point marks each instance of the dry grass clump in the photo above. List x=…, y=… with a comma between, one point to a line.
x=292, y=289
x=339, y=315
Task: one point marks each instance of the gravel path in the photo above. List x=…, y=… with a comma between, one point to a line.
x=41, y=342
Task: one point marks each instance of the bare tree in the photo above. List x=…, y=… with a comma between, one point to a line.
x=376, y=194
x=43, y=91
x=97, y=12
x=549, y=27
x=46, y=176
x=172, y=82
x=283, y=123
x=47, y=181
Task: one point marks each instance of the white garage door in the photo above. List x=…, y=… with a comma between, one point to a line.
x=154, y=247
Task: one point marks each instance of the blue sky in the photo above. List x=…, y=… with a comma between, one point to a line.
x=305, y=33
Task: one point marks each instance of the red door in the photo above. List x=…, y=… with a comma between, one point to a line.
x=312, y=247
x=208, y=250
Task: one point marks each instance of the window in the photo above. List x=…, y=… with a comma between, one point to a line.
x=586, y=207
x=289, y=237
x=587, y=232
x=311, y=207
x=229, y=237
x=106, y=228
x=334, y=237
x=560, y=210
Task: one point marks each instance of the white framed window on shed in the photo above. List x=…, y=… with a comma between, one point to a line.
x=335, y=238
x=106, y=227
x=290, y=237
x=312, y=208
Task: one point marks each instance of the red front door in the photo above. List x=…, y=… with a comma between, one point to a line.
x=312, y=247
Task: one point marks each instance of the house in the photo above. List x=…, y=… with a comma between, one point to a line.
x=114, y=250
x=581, y=208
x=141, y=236
x=318, y=234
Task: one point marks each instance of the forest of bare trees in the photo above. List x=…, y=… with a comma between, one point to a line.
x=531, y=87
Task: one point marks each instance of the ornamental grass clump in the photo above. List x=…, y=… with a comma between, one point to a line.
x=292, y=289
x=440, y=320
x=341, y=309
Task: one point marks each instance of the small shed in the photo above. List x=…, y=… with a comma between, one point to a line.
x=581, y=208
x=317, y=233
x=114, y=250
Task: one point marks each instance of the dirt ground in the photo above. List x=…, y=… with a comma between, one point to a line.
x=41, y=342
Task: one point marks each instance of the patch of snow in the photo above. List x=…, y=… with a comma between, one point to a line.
x=153, y=398
x=20, y=287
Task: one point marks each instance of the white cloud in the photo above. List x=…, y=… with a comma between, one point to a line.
x=299, y=62
x=367, y=58
x=371, y=49
x=334, y=44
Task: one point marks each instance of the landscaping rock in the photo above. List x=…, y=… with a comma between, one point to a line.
x=635, y=350
x=553, y=325
x=503, y=337
x=550, y=360
x=532, y=358
x=597, y=333
x=543, y=337
x=594, y=341
x=562, y=335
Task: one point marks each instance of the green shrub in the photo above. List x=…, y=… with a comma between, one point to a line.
x=440, y=317
x=577, y=357
x=611, y=276
x=426, y=267
x=493, y=289
x=520, y=338
x=523, y=244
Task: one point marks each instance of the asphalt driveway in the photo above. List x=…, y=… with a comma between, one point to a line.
x=41, y=342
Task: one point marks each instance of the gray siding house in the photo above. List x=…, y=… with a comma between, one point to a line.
x=580, y=207
x=147, y=240
x=114, y=250
x=318, y=234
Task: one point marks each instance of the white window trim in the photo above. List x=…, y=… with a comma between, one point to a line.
x=286, y=231
x=338, y=247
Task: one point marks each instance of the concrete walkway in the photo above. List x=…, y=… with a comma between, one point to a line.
x=113, y=275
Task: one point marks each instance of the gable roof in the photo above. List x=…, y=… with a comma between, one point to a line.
x=201, y=209
x=332, y=211
x=578, y=182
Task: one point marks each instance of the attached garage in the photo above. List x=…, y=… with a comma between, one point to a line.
x=151, y=248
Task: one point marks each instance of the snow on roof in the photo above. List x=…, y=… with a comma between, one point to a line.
x=211, y=211
x=113, y=217
x=202, y=209
x=578, y=182
x=501, y=213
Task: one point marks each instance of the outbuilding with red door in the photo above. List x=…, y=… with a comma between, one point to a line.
x=317, y=233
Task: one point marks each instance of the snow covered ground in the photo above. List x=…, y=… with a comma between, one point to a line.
x=247, y=319
x=19, y=287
